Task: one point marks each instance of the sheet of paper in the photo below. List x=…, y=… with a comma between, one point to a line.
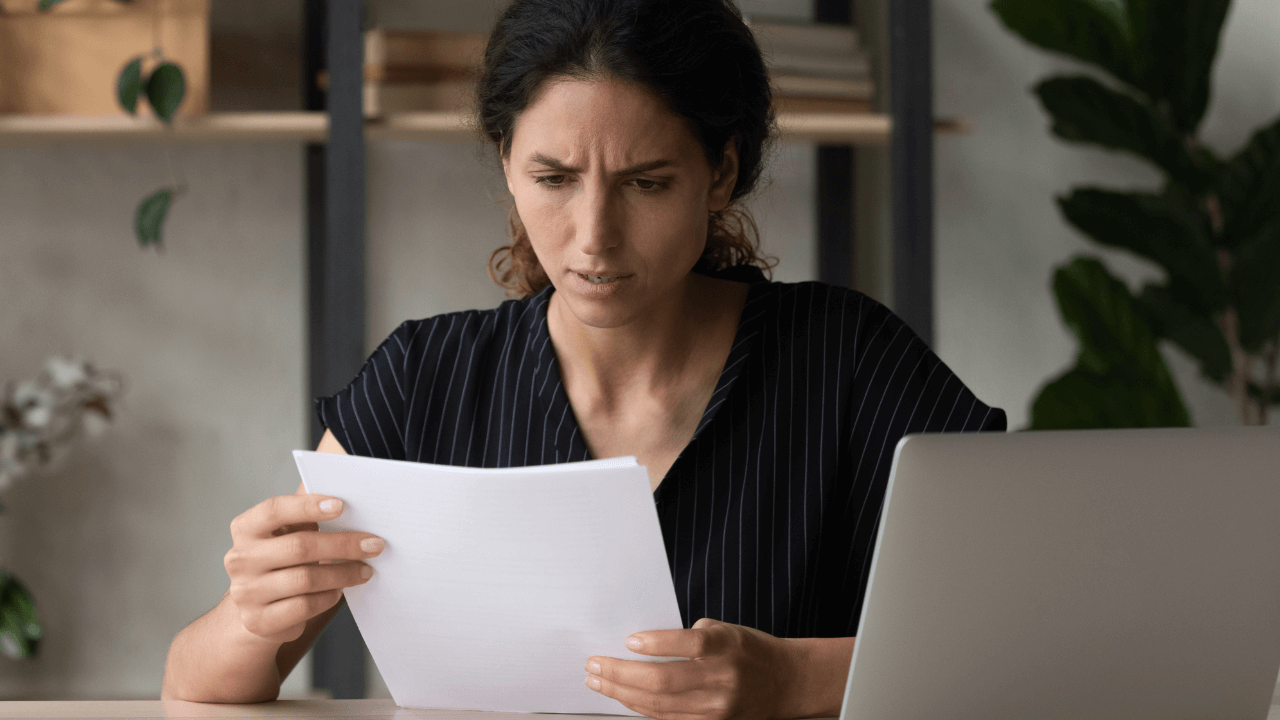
x=497, y=585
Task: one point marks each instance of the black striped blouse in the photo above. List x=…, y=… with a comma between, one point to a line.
x=770, y=513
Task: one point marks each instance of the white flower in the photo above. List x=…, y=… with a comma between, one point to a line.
x=64, y=373
x=30, y=392
x=10, y=647
x=37, y=416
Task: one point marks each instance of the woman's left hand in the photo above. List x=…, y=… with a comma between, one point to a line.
x=732, y=672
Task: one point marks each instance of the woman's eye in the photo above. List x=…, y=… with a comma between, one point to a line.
x=550, y=180
x=648, y=185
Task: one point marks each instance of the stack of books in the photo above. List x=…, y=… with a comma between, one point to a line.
x=814, y=67
x=413, y=71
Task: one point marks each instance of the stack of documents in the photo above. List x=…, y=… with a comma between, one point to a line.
x=497, y=585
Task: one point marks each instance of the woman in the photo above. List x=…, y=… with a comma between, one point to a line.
x=765, y=413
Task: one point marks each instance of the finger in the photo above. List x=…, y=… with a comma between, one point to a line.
x=302, y=580
x=300, y=527
x=284, y=614
x=664, y=678
x=263, y=519
x=660, y=706
x=695, y=642
x=309, y=547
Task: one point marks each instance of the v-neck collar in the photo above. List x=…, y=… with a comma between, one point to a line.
x=561, y=426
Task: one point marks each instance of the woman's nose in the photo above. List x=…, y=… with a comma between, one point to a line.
x=597, y=224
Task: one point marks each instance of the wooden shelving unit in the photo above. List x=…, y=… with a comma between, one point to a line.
x=858, y=129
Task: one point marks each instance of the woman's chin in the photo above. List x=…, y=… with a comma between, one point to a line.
x=601, y=305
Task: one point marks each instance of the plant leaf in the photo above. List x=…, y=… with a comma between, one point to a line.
x=48, y=4
x=1084, y=110
x=1100, y=311
x=1088, y=31
x=1195, y=333
x=1255, y=285
x=1255, y=392
x=165, y=89
x=129, y=85
x=1249, y=186
x=1178, y=41
x=20, y=627
x=150, y=217
x=1082, y=400
x=1157, y=229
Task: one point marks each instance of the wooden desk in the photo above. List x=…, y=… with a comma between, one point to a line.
x=364, y=709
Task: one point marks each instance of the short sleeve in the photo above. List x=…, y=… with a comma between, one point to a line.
x=901, y=387
x=368, y=416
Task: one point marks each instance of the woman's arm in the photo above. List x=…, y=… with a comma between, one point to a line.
x=283, y=592
x=732, y=672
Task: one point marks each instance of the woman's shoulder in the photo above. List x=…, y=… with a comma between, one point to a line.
x=811, y=306
x=470, y=328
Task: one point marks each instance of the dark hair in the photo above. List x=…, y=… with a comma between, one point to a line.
x=698, y=56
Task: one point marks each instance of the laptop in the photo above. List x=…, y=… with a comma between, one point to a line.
x=1123, y=574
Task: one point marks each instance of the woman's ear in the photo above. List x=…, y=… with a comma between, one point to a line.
x=724, y=178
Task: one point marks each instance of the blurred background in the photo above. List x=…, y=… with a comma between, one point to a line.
x=121, y=545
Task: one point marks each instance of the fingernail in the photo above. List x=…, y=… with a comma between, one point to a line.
x=332, y=505
x=634, y=643
x=366, y=572
x=371, y=545
x=593, y=667
x=593, y=682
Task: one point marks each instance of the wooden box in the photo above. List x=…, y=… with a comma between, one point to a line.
x=65, y=61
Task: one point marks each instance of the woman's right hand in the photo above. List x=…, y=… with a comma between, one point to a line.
x=284, y=571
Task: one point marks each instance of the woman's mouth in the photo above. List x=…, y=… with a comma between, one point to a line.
x=600, y=279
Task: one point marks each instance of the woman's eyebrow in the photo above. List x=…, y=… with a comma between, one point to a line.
x=555, y=164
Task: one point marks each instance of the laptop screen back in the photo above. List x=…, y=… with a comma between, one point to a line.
x=1100, y=574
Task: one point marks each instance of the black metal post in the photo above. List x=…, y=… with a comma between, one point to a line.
x=335, y=267
x=911, y=103
x=835, y=201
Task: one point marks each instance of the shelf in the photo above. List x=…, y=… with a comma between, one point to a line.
x=859, y=129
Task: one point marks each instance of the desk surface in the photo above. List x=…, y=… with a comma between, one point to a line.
x=364, y=709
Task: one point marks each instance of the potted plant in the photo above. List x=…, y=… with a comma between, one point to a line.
x=1212, y=227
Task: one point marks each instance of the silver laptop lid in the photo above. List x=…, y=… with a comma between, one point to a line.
x=1104, y=574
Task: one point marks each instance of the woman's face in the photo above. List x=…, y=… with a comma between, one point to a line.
x=614, y=191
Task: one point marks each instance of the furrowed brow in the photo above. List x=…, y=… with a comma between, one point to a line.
x=645, y=167
x=555, y=164
x=551, y=162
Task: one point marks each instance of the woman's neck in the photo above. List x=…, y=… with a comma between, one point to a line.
x=653, y=351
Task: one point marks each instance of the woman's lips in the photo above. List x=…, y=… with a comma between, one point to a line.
x=603, y=278
x=600, y=286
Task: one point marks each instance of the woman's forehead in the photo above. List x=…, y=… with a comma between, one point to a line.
x=617, y=123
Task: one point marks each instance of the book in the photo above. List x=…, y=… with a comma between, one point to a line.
x=823, y=87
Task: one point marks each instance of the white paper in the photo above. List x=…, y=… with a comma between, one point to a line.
x=495, y=586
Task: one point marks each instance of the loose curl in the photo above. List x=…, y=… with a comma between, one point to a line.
x=698, y=56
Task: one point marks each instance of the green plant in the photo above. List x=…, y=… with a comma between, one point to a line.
x=164, y=87
x=1213, y=228
x=20, y=629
